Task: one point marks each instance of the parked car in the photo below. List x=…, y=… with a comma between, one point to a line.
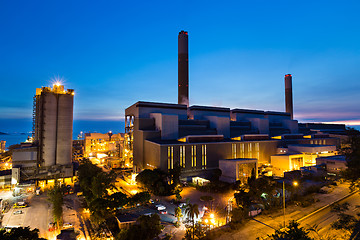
x=20, y=205
x=160, y=207
x=18, y=212
x=67, y=225
x=163, y=212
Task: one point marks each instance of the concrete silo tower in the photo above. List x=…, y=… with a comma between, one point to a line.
x=53, y=125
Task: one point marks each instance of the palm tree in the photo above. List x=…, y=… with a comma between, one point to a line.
x=192, y=211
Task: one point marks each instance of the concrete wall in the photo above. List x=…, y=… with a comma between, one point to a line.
x=260, y=124
x=167, y=124
x=64, y=129
x=222, y=125
x=333, y=164
x=49, y=128
x=201, y=112
x=311, y=148
x=277, y=116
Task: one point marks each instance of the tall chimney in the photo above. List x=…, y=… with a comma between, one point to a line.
x=183, y=68
x=288, y=95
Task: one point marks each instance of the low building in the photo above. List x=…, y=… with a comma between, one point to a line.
x=5, y=178
x=126, y=220
x=334, y=164
x=297, y=156
x=239, y=169
x=107, y=143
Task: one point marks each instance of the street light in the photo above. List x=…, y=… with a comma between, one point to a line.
x=295, y=184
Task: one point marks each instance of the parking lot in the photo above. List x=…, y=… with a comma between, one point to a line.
x=36, y=215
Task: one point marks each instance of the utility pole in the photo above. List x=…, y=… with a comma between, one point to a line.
x=284, y=200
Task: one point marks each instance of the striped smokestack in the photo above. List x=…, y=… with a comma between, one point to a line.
x=288, y=95
x=183, y=68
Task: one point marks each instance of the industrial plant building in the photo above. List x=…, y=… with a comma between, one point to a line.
x=201, y=139
x=49, y=155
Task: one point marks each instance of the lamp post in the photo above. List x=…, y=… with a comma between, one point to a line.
x=295, y=184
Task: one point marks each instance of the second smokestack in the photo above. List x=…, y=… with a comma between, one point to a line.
x=183, y=68
x=288, y=95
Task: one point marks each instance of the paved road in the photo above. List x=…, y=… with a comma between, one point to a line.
x=325, y=217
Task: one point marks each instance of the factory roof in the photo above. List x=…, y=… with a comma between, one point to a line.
x=237, y=110
x=239, y=159
x=208, y=108
x=336, y=157
x=160, y=105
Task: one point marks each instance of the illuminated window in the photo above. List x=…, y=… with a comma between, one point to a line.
x=182, y=156
x=249, y=150
x=203, y=156
x=233, y=147
x=242, y=150
x=257, y=151
x=170, y=157
x=193, y=156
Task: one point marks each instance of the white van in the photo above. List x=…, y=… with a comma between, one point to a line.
x=160, y=207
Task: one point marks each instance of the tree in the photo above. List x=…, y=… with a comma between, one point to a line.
x=291, y=232
x=178, y=214
x=177, y=194
x=242, y=199
x=195, y=232
x=216, y=174
x=352, y=154
x=340, y=208
x=95, y=185
x=192, y=211
x=238, y=215
x=146, y=228
x=154, y=181
x=55, y=196
x=20, y=233
x=141, y=197
x=175, y=174
x=345, y=222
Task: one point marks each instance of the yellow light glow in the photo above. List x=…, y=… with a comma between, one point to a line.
x=212, y=215
x=295, y=184
x=212, y=221
x=206, y=221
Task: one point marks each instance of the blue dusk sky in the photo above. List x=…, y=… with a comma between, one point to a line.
x=115, y=53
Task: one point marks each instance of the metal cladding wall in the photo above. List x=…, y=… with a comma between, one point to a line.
x=288, y=95
x=183, y=68
x=64, y=129
x=48, y=127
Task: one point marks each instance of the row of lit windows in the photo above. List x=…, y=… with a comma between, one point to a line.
x=170, y=157
x=318, y=142
x=182, y=157
x=253, y=150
